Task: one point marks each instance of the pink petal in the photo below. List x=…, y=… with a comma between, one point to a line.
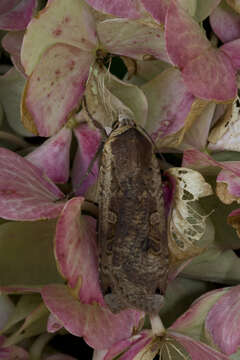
x=18, y=15
x=198, y=350
x=207, y=72
x=73, y=25
x=225, y=23
x=53, y=324
x=184, y=38
x=88, y=144
x=211, y=76
x=12, y=43
x=231, y=178
x=169, y=103
x=223, y=322
x=130, y=347
x=76, y=252
x=25, y=194
x=232, y=50
x=53, y=157
x=12, y=352
x=157, y=8
x=195, y=316
x=136, y=39
x=121, y=8
x=56, y=86
x=99, y=327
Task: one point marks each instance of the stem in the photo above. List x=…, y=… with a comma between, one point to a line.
x=157, y=326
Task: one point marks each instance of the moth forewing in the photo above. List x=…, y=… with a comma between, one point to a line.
x=132, y=224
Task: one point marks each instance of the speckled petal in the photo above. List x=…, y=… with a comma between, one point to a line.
x=25, y=193
x=53, y=157
x=55, y=87
x=222, y=324
x=76, y=252
x=15, y=15
x=132, y=38
x=99, y=327
x=62, y=22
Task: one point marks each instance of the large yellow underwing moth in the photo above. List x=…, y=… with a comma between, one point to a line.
x=132, y=230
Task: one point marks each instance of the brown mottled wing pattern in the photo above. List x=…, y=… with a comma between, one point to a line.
x=132, y=226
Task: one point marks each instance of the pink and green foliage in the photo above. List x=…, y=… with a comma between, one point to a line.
x=179, y=82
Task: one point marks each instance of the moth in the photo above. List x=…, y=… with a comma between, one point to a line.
x=132, y=232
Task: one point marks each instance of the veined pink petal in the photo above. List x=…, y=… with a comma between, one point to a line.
x=16, y=14
x=88, y=143
x=76, y=252
x=72, y=24
x=129, y=347
x=121, y=8
x=25, y=194
x=223, y=322
x=56, y=86
x=99, y=327
x=184, y=38
x=225, y=22
x=53, y=157
x=133, y=39
x=211, y=76
x=232, y=50
x=157, y=8
x=198, y=350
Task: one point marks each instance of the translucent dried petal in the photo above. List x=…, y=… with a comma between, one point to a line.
x=187, y=224
x=226, y=132
x=25, y=193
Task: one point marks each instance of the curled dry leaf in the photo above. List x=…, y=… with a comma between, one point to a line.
x=187, y=224
x=225, y=134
